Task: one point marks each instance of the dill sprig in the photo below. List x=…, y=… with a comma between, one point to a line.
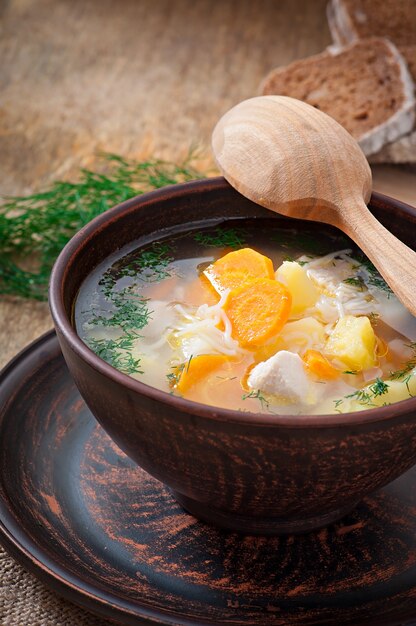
x=408, y=366
x=362, y=396
x=116, y=352
x=258, y=396
x=36, y=227
x=150, y=265
x=177, y=370
x=374, y=277
x=366, y=396
x=129, y=313
x=379, y=388
x=355, y=281
x=222, y=238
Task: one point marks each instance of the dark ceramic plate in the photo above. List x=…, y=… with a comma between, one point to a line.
x=81, y=516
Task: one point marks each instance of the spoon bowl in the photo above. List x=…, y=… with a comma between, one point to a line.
x=294, y=159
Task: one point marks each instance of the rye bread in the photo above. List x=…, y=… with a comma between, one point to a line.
x=365, y=86
x=350, y=20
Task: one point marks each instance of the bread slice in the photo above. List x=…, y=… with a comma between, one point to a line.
x=350, y=20
x=401, y=151
x=365, y=86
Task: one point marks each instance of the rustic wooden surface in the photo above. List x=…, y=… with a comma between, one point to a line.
x=148, y=77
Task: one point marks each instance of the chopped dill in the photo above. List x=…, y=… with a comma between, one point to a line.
x=374, y=277
x=36, y=227
x=355, y=281
x=374, y=318
x=130, y=312
x=150, y=265
x=222, y=238
x=174, y=376
x=337, y=403
x=177, y=370
x=408, y=366
x=379, y=388
x=290, y=259
x=259, y=396
x=366, y=396
x=352, y=372
x=115, y=352
x=406, y=382
x=362, y=396
x=189, y=363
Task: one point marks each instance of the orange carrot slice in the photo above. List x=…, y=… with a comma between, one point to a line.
x=257, y=311
x=319, y=365
x=237, y=267
x=197, y=369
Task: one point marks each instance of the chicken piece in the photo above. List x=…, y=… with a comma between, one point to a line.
x=284, y=376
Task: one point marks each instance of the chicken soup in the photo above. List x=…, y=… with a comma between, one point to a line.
x=252, y=315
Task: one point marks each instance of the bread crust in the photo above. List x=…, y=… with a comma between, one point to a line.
x=402, y=121
x=343, y=32
x=398, y=124
x=340, y=23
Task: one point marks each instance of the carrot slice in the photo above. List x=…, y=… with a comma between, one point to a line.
x=198, y=368
x=237, y=267
x=319, y=365
x=257, y=311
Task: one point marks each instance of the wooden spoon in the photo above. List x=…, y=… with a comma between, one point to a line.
x=293, y=159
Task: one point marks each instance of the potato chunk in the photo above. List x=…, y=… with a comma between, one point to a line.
x=304, y=293
x=353, y=342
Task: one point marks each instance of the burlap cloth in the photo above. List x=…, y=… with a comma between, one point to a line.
x=24, y=601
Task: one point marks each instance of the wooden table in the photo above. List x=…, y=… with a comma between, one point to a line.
x=138, y=78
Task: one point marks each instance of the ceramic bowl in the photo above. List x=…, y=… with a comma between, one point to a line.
x=254, y=473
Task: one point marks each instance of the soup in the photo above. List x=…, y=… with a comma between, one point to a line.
x=252, y=315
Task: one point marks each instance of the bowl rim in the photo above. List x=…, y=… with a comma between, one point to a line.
x=64, y=326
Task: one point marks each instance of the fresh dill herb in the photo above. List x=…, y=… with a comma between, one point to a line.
x=36, y=227
x=290, y=259
x=406, y=382
x=116, y=353
x=366, y=396
x=362, y=396
x=177, y=370
x=352, y=372
x=337, y=403
x=379, y=388
x=374, y=318
x=222, y=238
x=151, y=264
x=408, y=366
x=374, y=277
x=174, y=376
x=130, y=311
x=258, y=396
x=355, y=281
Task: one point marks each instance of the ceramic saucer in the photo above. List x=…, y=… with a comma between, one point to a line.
x=104, y=534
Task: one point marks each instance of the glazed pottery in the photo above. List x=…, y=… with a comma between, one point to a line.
x=256, y=473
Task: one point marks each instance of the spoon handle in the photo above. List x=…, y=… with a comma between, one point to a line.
x=395, y=261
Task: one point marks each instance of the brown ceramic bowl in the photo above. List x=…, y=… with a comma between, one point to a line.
x=244, y=471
